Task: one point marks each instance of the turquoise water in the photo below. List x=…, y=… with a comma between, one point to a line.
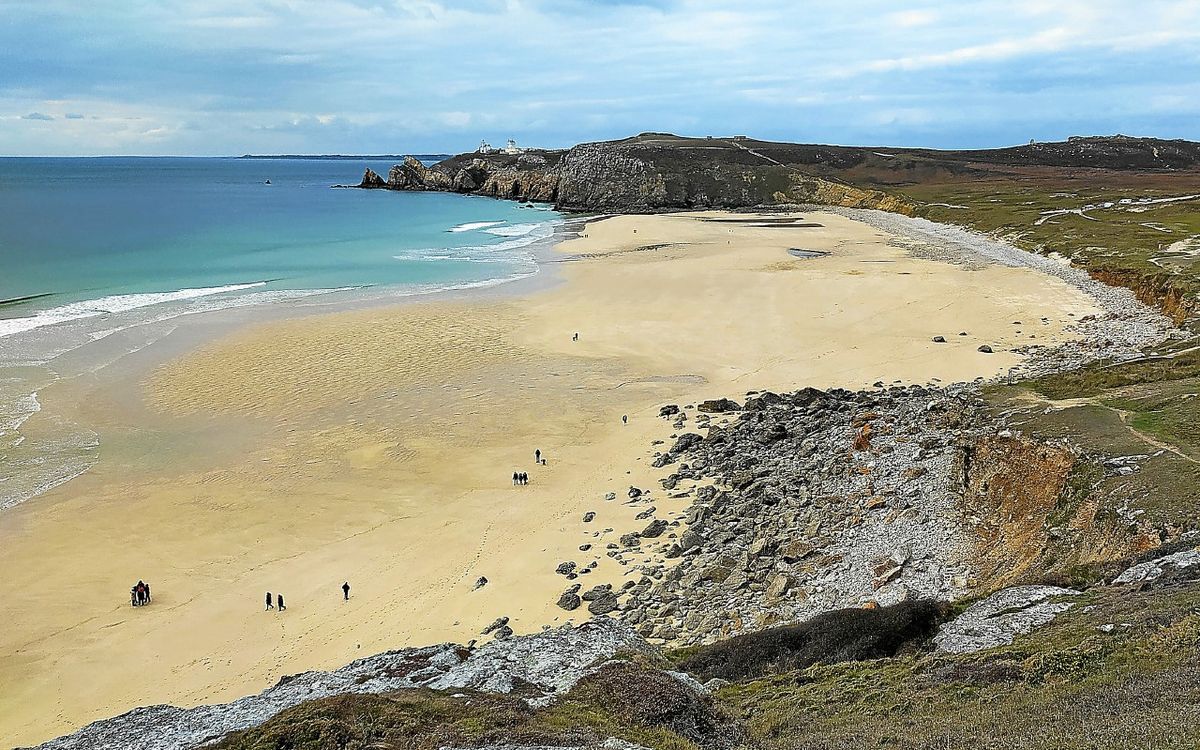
x=104, y=254
x=89, y=230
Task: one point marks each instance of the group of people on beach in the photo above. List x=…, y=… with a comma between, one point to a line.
x=278, y=604
x=139, y=594
x=522, y=477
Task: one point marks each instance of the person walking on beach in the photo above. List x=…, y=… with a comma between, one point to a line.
x=516, y=479
x=147, y=586
x=524, y=477
x=575, y=337
x=279, y=601
x=269, y=604
x=624, y=419
x=537, y=456
x=346, y=591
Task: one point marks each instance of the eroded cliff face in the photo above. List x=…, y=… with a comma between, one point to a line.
x=1161, y=291
x=1035, y=514
x=645, y=174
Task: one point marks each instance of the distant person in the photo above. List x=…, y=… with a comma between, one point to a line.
x=537, y=456
x=147, y=593
x=269, y=604
x=133, y=600
x=575, y=337
x=516, y=479
x=279, y=601
x=624, y=419
x=346, y=591
x=524, y=477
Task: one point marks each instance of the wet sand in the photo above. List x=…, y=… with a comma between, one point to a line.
x=377, y=446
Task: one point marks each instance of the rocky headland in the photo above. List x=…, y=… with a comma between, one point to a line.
x=646, y=173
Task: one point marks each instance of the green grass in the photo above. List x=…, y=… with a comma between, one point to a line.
x=1067, y=686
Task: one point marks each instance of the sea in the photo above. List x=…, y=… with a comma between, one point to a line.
x=118, y=250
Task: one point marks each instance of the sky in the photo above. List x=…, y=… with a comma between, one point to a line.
x=227, y=77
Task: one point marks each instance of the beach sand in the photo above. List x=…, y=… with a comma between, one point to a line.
x=377, y=447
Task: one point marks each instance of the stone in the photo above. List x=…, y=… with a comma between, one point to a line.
x=939, y=339
x=1181, y=565
x=632, y=539
x=655, y=529
x=998, y=619
x=570, y=601
x=602, y=605
x=718, y=406
x=589, y=516
x=796, y=550
x=985, y=349
x=779, y=586
x=565, y=568
x=498, y=623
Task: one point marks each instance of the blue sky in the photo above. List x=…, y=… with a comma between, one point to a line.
x=386, y=76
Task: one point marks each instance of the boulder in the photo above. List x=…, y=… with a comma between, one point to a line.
x=602, y=605
x=719, y=406
x=570, y=601
x=655, y=529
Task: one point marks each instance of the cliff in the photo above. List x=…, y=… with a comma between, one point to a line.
x=662, y=172
x=643, y=174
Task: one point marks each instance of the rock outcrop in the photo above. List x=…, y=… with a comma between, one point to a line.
x=1001, y=617
x=544, y=665
x=1181, y=566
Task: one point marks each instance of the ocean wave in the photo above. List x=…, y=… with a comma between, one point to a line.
x=515, y=230
x=15, y=413
x=494, y=252
x=116, y=303
x=471, y=225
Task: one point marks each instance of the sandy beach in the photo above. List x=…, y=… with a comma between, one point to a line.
x=377, y=446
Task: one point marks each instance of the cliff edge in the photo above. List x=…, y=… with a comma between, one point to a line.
x=643, y=174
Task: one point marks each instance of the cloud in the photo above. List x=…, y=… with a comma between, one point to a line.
x=73, y=116
x=233, y=76
x=37, y=116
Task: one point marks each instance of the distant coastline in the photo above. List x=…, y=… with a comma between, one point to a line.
x=342, y=157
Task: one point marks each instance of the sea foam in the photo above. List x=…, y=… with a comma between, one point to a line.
x=108, y=305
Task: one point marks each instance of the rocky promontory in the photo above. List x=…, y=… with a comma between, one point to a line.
x=647, y=173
